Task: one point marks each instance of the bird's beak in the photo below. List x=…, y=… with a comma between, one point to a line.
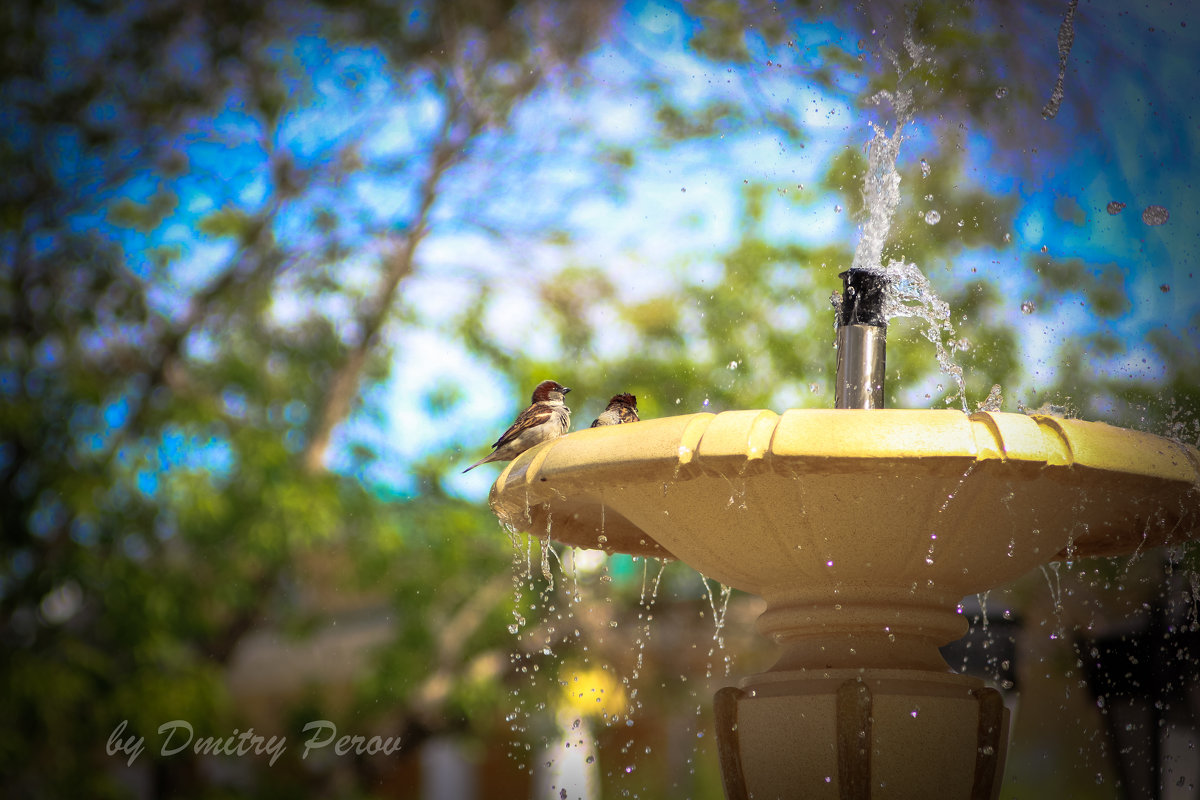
x=566, y=389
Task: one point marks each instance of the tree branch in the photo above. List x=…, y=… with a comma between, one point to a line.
x=398, y=265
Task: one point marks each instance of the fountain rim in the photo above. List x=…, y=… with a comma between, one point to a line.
x=572, y=473
x=823, y=438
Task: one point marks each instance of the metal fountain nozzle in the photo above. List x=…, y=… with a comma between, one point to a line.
x=861, y=340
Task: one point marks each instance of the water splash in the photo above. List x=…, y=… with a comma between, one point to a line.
x=994, y=400
x=907, y=293
x=1155, y=215
x=881, y=186
x=1066, y=38
x=881, y=194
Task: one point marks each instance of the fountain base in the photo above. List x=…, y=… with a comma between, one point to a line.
x=861, y=733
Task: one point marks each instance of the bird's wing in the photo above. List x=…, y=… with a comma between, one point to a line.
x=537, y=414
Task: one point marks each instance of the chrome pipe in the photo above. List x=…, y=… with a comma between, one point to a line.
x=860, y=366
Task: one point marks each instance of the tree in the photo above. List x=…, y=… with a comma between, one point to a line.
x=169, y=402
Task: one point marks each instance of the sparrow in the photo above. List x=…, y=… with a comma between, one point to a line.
x=546, y=418
x=622, y=408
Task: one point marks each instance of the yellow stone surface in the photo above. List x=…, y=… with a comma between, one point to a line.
x=845, y=482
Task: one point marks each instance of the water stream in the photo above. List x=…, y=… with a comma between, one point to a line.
x=908, y=293
x=567, y=602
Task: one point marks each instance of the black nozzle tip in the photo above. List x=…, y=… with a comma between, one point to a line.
x=862, y=298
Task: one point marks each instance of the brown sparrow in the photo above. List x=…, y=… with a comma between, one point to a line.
x=622, y=408
x=546, y=418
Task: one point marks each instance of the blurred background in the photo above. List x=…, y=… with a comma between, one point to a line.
x=274, y=273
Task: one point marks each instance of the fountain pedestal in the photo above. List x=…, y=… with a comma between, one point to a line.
x=862, y=530
x=861, y=733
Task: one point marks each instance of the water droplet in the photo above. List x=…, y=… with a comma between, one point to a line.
x=1001, y=92
x=1114, y=207
x=1027, y=307
x=924, y=168
x=837, y=209
x=933, y=217
x=1155, y=215
x=733, y=365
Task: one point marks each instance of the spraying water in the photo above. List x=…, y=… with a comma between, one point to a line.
x=908, y=293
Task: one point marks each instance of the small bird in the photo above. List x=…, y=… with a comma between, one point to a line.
x=546, y=418
x=622, y=408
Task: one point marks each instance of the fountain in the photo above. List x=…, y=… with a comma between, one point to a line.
x=862, y=528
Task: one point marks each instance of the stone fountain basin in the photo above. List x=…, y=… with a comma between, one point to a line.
x=862, y=530
x=825, y=499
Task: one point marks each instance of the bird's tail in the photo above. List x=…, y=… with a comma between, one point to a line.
x=483, y=460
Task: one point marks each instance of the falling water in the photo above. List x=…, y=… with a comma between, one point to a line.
x=719, y=609
x=1066, y=38
x=941, y=512
x=1055, y=584
x=547, y=573
x=910, y=295
x=546, y=594
x=646, y=600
